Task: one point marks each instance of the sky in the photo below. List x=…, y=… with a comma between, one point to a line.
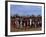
x=24, y=10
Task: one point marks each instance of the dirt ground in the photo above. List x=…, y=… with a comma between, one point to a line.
x=13, y=29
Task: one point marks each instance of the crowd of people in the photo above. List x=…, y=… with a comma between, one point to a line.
x=26, y=21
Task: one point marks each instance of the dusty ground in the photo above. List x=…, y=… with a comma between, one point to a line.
x=24, y=29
